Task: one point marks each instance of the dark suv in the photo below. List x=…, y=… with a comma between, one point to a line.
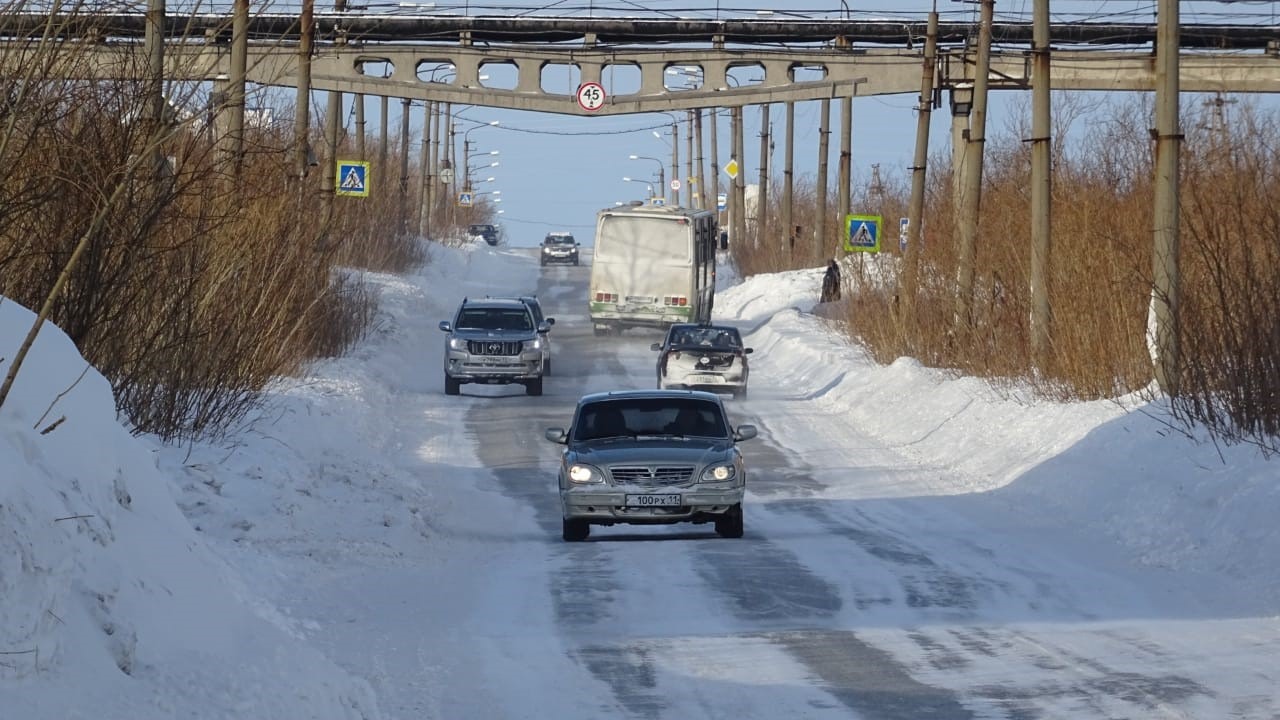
x=488, y=233
x=559, y=247
x=494, y=341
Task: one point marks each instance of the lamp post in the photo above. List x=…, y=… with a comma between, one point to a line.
x=645, y=182
x=662, y=178
x=466, y=152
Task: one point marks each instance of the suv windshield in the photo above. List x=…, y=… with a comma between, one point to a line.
x=494, y=319
x=649, y=416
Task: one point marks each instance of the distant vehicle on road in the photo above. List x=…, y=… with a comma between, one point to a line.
x=703, y=357
x=652, y=266
x=559, y=247
x=649, y=457
x=493, y=341
x=485, y=232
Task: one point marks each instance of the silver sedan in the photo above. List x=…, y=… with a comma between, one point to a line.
x=651, y=457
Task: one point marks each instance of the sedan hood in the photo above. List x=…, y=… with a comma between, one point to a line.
x=694, y=451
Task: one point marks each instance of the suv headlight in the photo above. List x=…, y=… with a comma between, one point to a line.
x=457, y=344
x=537, y=344
x=720, y=473
x=584, y=474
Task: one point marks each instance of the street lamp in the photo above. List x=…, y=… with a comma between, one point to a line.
x=466, y=150
x=662, y=177
x=645, y=182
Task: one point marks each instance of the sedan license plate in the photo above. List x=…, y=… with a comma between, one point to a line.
x=654, y=500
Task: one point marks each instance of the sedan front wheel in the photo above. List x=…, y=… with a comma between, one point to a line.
x=575, y=530
x=729, y=525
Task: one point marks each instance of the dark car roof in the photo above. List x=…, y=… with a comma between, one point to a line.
x=494, y=303
x=648, y=394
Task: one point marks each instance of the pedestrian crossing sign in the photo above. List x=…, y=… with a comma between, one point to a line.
x=352, y=178
x=862, y=233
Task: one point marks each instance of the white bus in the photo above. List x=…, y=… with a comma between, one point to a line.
x=652, y=266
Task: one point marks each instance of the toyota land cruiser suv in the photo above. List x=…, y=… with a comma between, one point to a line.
x=494, y=341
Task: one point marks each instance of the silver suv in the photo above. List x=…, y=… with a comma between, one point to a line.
x=494, y=341
x=651, y=457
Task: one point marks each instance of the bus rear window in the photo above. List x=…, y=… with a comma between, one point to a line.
x=642, y=238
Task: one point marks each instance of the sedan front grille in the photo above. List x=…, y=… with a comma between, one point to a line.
x=652, y=476
x=494, y=347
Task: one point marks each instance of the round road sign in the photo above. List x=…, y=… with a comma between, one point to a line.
x=675, y=184
x=590, y=96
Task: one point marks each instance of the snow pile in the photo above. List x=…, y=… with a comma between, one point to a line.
x=1110, y=468
x=113, y=605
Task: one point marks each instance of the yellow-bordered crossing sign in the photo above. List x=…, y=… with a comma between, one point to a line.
x=352, y=179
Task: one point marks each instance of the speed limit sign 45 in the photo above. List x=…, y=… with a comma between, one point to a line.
x=590, y=96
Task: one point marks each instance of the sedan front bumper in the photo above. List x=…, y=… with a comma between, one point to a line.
x=608, y=504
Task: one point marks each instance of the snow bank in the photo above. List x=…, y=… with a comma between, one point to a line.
x=113, y=605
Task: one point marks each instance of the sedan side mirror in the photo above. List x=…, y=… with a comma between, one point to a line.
x=446, y=326
x=557, y=435
x=656, y=346
x=745, y=432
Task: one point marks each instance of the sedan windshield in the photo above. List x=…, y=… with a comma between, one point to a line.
x=652, y=417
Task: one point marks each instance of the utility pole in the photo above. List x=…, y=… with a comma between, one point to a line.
x=688, y=161
x=846, y=160
x=154, y=40
x=424, y=170
x=332, y=120
x=701, y=165
x=236, y=90
x=762, y=196
x=429, y=183
x=382, y=141
x=302, y=109
x=359, y=103
x=715, y=163
x=675, y=161
x=1162, y=331
x=739, y=183
x=1041, y=185
x=973, y=170
x=404, y=166
x=824, y=134
x=788, y=227
x=919, y=168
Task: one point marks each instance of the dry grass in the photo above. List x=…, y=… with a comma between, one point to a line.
x=1100, y=269
x=193, y=290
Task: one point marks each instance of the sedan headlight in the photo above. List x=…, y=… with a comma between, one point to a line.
x=719, y=473
x=457, y=344
x=584, y=474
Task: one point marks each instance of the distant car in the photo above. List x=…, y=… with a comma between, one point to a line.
x=487, y=233
x=539, y=318
x=559, y=247
x=651, y=457
x=703, y=357
x=494, y=341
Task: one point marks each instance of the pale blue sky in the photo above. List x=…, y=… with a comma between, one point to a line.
x=556, y=171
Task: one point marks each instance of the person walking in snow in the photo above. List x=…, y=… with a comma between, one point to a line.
x=831, y=282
